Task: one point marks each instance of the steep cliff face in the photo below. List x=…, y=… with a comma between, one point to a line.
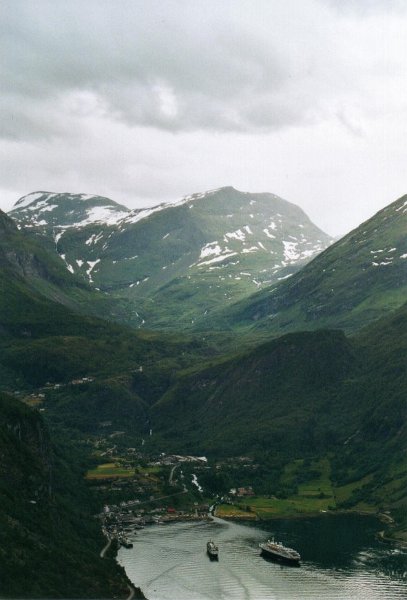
x=28, y=265
x=25, y=451
x=25, y=257
x=49, y=542
x=37, y=293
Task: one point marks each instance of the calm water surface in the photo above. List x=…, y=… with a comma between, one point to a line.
x=341, y=561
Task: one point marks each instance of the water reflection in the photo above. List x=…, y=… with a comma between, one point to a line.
x=341, y=560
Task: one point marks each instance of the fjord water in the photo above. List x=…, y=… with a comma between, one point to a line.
x=341, y=560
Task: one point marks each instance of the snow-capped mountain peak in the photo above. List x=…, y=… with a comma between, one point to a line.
x=205, y=248
x=64, y=210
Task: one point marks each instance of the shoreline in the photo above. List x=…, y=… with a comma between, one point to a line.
x=379, y=535
x=382, y=517
x=137, y=592
x=401, y=543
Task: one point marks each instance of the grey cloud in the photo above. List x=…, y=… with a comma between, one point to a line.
x=146, y=100
x=350, y=124
x=24, y=118
x=171, y=65
x=368, y=6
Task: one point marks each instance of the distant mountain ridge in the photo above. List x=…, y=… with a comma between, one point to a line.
x=78, y=210
x=175, y=263
x=357, y=280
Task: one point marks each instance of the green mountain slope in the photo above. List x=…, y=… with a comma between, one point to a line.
x=46, y=513
x=174, y=263
x=304, y=395
x=23, y=258
x=43, y=337
x=32, y=276
x=49, y=541
x=248, y=402
x=357, y=280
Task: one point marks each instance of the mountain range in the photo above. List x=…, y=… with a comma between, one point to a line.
x=302, y=359
x=174, y=263
x=220, y=260
x=357, y=280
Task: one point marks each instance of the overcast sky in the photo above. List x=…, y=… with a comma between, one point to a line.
x=146, y=101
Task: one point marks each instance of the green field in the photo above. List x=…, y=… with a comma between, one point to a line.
x=315, y=495
x=229, y=511
x=109, y=471
x=149, y=470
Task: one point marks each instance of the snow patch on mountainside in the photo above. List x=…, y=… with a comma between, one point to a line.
x=48, y=208
x=235, y=235
x=92, y=264
x=402, y=206
x=307, y=253
x=40, y=202
x=68, y=266
x=285, y=277
x=94, y=239
x=140, y=214
x=197, y=196
x=26, y=200
x=269, y=235
x=216, y=259
x=36, y=206
x=102, y=214
x=211, y=248
x=291, y=251
x=137, y=215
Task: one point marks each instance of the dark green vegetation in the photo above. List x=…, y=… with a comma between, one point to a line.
x=354, y=282
x=48, y=532
x=49, y=540
x=250, y=402
x=26, y=269
x=305, y=395
x=44, y=338
x=302, y=395
x=36, y=290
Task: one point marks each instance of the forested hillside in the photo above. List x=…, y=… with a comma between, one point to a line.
x=49, y=540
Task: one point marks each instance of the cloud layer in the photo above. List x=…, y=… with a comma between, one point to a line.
x=109, y=93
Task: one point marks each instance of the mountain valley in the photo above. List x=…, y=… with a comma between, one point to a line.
x=225, y=325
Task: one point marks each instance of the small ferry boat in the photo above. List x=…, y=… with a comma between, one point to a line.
x=125, y=542
x=278, y=551
x=212, y=549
